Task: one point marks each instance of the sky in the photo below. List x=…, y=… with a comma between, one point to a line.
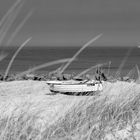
x=75, y=22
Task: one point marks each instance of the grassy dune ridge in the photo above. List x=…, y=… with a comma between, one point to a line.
x=32, y=115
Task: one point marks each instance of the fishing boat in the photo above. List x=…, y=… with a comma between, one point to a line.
x=75, y=87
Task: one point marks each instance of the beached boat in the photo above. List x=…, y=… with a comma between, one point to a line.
x=74, y=87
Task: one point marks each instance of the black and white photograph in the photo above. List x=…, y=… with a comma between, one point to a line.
x=69, y=70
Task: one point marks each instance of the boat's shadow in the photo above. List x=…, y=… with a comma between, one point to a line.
x=77, y=94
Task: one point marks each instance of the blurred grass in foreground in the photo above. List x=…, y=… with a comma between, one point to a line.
x=114, y=113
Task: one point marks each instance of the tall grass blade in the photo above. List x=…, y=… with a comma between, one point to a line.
x=89, y=69
x=108, y=68
x=14, y=56
x=43, y=66
x=78, y=52
x=123, y=63
x=3, y=55
x=8, y=23
x=57, y=70
x=131, y=72
x=138, y=71
x=18, y=28
x=9, y=12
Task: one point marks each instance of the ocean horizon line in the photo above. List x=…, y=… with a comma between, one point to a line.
x=115, y=46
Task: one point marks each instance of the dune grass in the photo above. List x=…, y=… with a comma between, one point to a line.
x=19, y=27
x=48, y=64
x=118, y=72
x=114, y=114
x=13, y=7
x=14, y=56
x=89, y=69
x=7, y=21
x=79, y=51
x=11, y=17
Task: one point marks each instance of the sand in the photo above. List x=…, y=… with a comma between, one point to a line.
x=88, y=113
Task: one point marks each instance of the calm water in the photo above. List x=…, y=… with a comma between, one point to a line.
x=31, y=56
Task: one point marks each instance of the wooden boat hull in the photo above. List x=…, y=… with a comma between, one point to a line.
x=76, y=88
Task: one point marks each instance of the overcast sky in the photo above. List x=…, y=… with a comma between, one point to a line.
x=74, y=22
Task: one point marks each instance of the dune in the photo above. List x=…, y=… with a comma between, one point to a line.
x=29, y=111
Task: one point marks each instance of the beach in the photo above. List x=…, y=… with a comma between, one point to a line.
x=34, y=112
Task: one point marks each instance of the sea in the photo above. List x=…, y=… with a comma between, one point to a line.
x=125, y=59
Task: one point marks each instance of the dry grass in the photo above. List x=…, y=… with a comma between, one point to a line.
x=79, y=51
x=89, y=69
x=27, y=113
x=14, y=56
